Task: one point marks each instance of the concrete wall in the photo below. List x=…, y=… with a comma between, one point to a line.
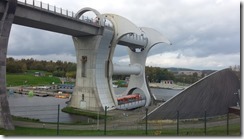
x=215, y=93
x=91, y=91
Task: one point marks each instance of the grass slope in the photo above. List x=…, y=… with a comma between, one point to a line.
x=234, y=130
x=29, y=79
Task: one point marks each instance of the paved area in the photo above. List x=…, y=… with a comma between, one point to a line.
x=123, y=127
x=129, y=120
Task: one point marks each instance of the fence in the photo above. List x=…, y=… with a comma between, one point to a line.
x=130, y=121
x=61, y=11
x=50, y=8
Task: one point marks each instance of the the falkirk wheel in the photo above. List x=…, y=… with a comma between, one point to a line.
x=94, y=89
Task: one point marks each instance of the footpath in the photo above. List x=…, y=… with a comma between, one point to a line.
x=130, y=120
x=121, y=126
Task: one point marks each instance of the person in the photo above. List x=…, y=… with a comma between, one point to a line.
x=97, y=20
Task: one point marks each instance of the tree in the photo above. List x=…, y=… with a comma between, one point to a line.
x=71, y=74
x=59, y=73
x=50, y=67
x=156, y=74
x=15, y=66
x=202, y=75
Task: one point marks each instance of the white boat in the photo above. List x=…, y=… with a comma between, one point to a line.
x=115, y=86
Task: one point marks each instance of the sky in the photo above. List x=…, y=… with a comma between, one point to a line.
x=205, y=34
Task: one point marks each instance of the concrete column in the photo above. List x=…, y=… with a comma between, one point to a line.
x=92, y=91
x=5, y=27
x=139, y=81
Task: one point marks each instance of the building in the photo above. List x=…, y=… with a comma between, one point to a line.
x=68, y=88
x=37, y=74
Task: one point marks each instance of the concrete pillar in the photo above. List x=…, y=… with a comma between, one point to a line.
x=139, y=58
x=92, y=91
x=5, y=27
x=139, y=81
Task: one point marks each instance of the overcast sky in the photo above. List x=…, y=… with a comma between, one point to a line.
x=205, y=34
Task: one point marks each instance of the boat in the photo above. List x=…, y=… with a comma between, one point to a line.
x=115, y=86
x=62, y=96
x=129, y=102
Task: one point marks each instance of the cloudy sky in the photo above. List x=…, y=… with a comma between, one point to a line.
x=205, y=34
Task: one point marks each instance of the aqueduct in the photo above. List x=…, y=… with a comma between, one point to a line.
x=94, y=42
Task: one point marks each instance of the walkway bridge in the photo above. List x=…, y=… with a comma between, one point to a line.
x=95, y=42
x=40, y=15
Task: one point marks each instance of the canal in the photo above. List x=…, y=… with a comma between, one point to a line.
x=46, y=108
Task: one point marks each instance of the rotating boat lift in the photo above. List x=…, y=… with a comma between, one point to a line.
x=94, y=89
x=94, y=42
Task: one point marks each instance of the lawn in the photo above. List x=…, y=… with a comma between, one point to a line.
x=234, y=130
x=29, y=79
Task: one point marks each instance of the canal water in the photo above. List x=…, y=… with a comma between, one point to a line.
x=46, y=108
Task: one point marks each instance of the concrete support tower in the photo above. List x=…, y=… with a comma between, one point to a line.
x=139, y=58
x=91, y=90
x=5, y=27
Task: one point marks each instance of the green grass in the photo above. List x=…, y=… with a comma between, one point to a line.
x=234, y=130
x=29, y=79
x=87, y=113
x=19, y=118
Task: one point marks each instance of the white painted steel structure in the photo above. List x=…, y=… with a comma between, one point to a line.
x=135, y=69
x=95, y=87
x=95, y=41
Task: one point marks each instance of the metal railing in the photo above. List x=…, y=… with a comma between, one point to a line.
x=70, y=14
x=51, y=117
x=57, y=10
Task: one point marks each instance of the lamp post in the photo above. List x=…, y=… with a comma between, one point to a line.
x=105, y=120
x=98, y=119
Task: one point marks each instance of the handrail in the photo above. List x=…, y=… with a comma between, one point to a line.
x=70, y=14
x=56, y=10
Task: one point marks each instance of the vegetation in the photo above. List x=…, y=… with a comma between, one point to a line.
x=59, y=68
x=87, y=113
x=156, y=74
x=18, y=118
x=68, y=69
x=28, y=78
x=121, y=83
x=234, y=130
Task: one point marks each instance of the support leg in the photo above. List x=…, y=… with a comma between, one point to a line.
x=5, y=27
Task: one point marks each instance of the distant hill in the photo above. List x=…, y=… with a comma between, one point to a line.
x=173, y=69
x=207, y=72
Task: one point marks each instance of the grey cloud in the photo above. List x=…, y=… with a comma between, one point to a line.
x=179, y=56
x=198, y=28
x=29, y=41
x=120, y=51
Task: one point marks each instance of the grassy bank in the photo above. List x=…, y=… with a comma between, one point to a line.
x=76, y=111
x=234, y=130
x=19, y=118
x=29, y=79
